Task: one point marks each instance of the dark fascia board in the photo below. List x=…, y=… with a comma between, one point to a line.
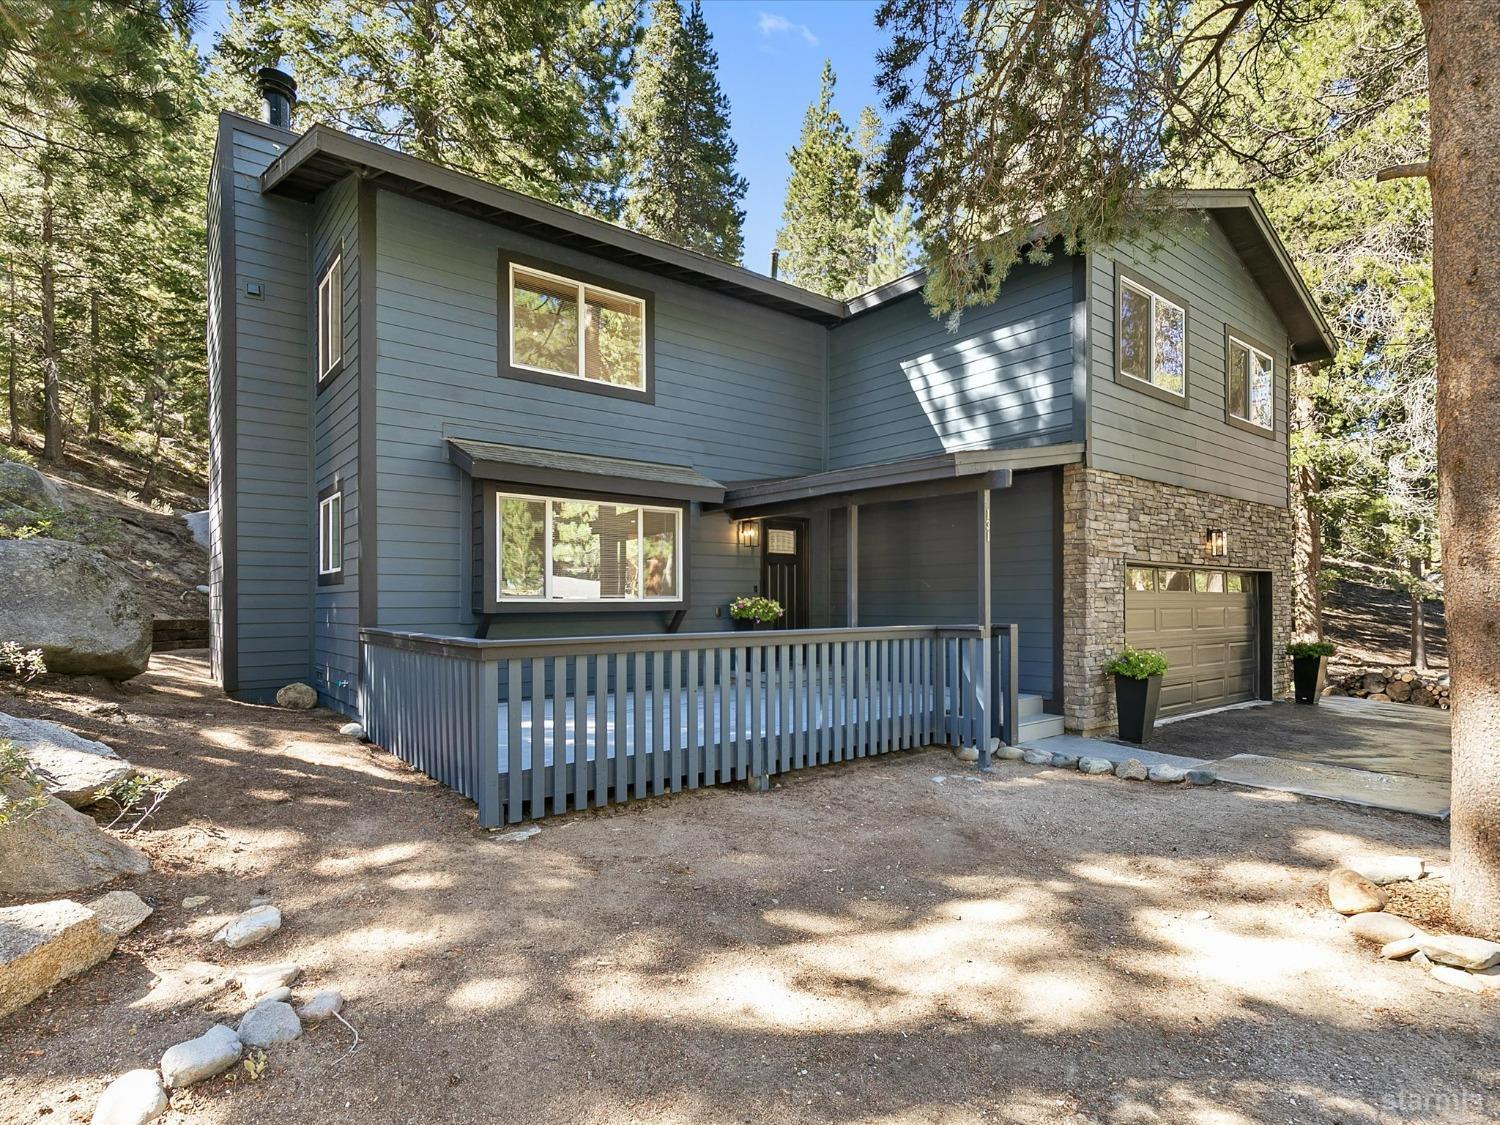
x=582, y=473
x=304, y=169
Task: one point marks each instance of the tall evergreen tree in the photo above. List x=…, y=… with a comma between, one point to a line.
x=521, y=92
x=825, y=217
x=681, y=184
x=890, y=238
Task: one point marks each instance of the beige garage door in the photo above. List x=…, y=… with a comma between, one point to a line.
x=1204, y=621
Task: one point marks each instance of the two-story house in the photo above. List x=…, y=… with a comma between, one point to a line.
x=444, y=408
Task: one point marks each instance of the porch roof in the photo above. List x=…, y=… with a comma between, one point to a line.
x=583, y=472
x=952, y=471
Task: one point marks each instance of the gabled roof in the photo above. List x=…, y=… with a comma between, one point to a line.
x=322, y=156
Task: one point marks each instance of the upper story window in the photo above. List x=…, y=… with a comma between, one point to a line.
x=331, y=534
x=573, y=329
x=553, y=548
x=1250, y=393
x=1152, y=339
x=331, y=319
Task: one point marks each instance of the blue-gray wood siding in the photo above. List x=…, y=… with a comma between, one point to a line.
x=270, y=421
x=1191, y=446
x=335, y=656
x=918, y=561
x=739, y=395
x=902, y=385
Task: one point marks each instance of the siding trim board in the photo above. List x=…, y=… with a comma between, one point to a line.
x=228, y=343
x=369, y=551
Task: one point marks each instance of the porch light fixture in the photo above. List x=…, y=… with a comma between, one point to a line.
x=749, y=531
x=1215, y=543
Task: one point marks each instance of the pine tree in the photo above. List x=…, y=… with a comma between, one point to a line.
x=890, y=238
x=681, y=184
x=825, y=218
x=519, y=92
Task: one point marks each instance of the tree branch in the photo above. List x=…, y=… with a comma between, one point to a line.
x=1403, y=171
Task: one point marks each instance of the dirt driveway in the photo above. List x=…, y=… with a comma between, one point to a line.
x=891, y=940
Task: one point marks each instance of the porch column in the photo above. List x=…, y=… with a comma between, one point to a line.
x=851, y=551
x=985, y=671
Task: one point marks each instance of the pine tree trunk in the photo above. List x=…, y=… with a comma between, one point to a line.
x=1307, y=561
x=1418, y=621
x=427, y=31
x=1463, y=58
x=12, y=406
x=96, y=377
x=52, y=429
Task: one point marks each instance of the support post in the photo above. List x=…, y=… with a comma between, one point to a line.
x=984, y=571
x=851, y=551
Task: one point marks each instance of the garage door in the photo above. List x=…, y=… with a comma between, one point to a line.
x=1204, y=621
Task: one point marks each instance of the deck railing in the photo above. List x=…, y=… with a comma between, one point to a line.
x=527, y=727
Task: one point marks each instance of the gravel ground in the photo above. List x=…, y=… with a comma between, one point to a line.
x=895, y=939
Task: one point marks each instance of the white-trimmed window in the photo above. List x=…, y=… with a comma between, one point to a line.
x=1152, y=339
x=331, y=534
x=331, y=318
x=1251, y=391
x=550, y=548
x=559, y=326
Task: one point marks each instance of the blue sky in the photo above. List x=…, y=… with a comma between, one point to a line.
x=770, y=56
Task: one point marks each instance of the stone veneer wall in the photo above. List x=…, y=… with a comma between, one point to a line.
x=1110, y=520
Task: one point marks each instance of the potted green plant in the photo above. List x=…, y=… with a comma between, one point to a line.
x=751, y=611
x=1309, y=668
x=1137, y=673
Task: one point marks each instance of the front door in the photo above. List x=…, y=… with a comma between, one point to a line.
x=783, y=568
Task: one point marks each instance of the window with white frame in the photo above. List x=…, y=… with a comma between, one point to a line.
x=330, y=318
x=331, y=534
x=550, y=548
x=1251, y=390
x=1153, y=339
x=559, y=326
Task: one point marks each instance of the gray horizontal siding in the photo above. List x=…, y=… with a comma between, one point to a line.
x=917, y=566
x=271, y=427
x=1193, y=446
x=739, y=394
x=901, y=384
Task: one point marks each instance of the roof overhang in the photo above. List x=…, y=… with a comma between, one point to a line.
x=556, y=470
x=322, y=156
x=915, y=478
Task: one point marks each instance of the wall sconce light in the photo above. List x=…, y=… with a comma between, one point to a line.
x=1215, y=543
x=749, y=533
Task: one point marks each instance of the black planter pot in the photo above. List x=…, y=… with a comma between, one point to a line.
x=745, y=626
x=1308, y=676
x=1136, y=702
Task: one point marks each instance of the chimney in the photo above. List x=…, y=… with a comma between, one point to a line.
x=775, y=263
x=280, y=93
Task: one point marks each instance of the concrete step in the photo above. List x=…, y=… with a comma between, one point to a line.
x=1030, y=705
x=1039, y=726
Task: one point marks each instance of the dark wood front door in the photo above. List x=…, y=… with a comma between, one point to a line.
x=783, y=568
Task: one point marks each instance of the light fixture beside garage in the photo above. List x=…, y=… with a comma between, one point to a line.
x=1215, y=543
x=749, y=532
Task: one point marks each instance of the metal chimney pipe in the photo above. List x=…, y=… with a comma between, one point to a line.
x=279, y=91
x=775, y=263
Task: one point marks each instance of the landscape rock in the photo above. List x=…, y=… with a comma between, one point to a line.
x=1383, y=869
x=354, y=730
x=24, y=491
x=1349, y=893
x=1132, y=769
x=1462, y=952
x=1420, y=958
x=268, y=1023
x=72, y=767
x=321, y=1007
x=83, y=613
x=250, y=928
x=192, y=902
x=1007, y=753
x=131, y=1099
x=297, y=697
x=120, y=911
x=1167, y=774
x=1037, y=757
x=1456, y=977
x=1489, y=978
x=1396, y=950
x=44, y=943
x=258, y=981
x=213, y=1052
x=197, y=525
x=1065, y=761
x=58, y=850
x=1202, y=777
x=967, y=753
x=1095, y=765
x=1380, y=928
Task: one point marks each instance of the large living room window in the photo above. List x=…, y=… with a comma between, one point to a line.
x=1151, y=343
x=1251, y=384
x=572, y=329
x=552, y=548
